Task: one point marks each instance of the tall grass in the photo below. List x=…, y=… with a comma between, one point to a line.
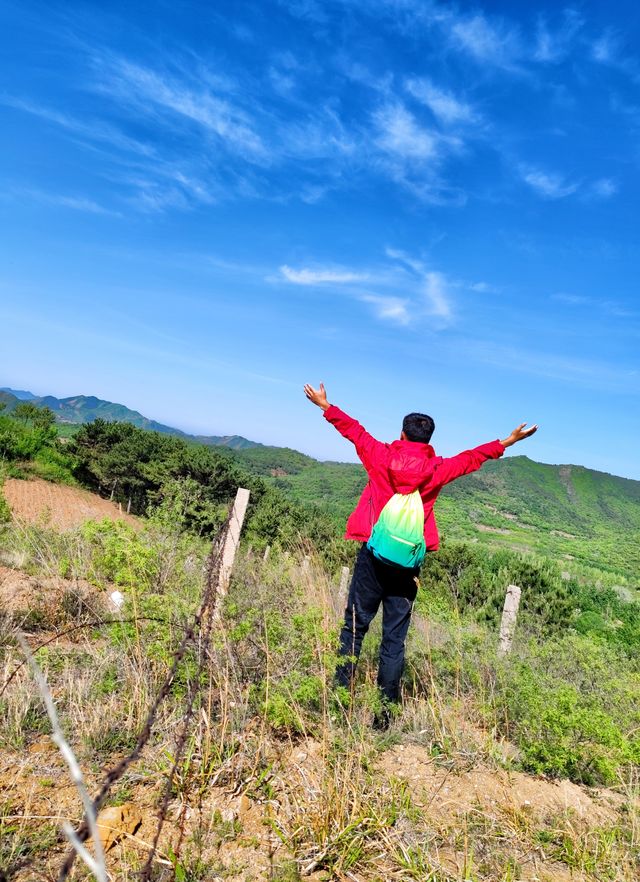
x=279, y=774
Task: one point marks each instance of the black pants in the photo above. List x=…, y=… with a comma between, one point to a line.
x=374, y=583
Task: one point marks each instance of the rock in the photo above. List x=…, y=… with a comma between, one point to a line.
x=228, y=816
x=117, y=820
x=116, y=600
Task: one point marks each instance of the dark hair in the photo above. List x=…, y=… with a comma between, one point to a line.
x=418, y=427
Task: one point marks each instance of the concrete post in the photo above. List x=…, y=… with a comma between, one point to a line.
x=344, y=583
x=509, y=616
x=233, y=537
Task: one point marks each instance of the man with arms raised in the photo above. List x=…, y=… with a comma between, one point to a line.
x=395, y=523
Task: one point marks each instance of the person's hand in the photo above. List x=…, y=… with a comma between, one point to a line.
x=518, y=434
x=317, y=396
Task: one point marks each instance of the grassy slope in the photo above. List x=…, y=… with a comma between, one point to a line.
x=563, y=511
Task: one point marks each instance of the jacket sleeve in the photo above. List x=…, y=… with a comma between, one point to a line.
x=366, y=445
x=466, y=462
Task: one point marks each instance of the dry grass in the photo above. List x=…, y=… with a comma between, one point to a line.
x=273, y=779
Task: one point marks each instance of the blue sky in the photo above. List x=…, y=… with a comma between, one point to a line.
x=429, y=206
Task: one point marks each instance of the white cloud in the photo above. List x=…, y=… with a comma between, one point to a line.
x=448, y=109
x=482, y=288
x=76, y=203
x=401, y=135
x=436, y=292
x=394, y=309
x=604, y=188
x=605, y=48
x=493, y=44
x=433, y=285
x=549, y=185
x=425, y=291
x=552, y=46
x=93, y=130
x=322, y=276
x=149, y=91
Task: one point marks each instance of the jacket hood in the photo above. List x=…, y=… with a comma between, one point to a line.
x=410, y=465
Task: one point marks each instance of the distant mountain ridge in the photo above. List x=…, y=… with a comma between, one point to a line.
x=78, y=409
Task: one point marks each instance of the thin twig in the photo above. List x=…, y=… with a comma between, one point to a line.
x=96, y=864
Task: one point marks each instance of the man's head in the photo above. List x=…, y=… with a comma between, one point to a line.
x=417, y=427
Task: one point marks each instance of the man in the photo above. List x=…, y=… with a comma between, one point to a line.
x=400, y=467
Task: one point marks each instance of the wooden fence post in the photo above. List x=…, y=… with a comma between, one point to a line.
x=233, y=537
x=509, y=616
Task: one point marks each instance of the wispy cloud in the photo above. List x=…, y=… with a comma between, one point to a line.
x=554, y=45
x=425, y=291
x=604, y=188
x=589, y=373
x=151, y=91
x=322, y=276
x=444, y=105
x=549, y=185
x=91, y=130
x=73, y=202
x=433, y=285
x=413, y=155
x=492, y=42
x=607, y=306
x=553, y=185
x=605, y=48
x=393, y=309
x=400, y=134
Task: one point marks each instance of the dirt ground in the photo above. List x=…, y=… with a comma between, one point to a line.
x=35, y=784
x=59, y=506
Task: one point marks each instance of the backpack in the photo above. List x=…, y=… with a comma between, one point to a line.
x=398, y=534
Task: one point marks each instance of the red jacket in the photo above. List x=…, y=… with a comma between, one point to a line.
x=402, y=467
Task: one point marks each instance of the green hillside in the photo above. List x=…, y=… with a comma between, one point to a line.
x=566, y=511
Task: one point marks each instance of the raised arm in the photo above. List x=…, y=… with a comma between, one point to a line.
x=469, y=461
x=365, y=444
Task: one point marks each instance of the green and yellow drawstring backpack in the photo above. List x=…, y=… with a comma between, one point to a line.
x=398, y=534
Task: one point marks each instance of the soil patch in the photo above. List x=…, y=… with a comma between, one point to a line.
x=59, y=506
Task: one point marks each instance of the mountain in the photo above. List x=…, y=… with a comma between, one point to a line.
x=19, y=393
x=563, y=511
x=79, y=409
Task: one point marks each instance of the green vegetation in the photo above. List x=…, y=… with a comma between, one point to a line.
x=566, y=512
x=29, y=445
x=564, y=701
x=143, y=469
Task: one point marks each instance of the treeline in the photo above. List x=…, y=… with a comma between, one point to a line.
x=142, y=469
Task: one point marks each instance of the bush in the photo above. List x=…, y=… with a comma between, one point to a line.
x=475, y=578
